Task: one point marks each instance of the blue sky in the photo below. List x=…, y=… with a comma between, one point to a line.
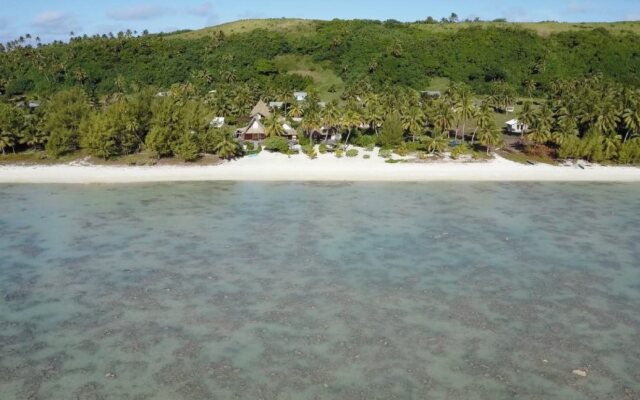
x=54, y=19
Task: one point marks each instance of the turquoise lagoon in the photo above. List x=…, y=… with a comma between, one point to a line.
x=320, y=291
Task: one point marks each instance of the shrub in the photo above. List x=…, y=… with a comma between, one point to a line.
x=366, y=156
x=385, y=153
x=339, y=153
x=187, y=148
x=322, y=148
x=402, y=150
x=392, y=131
x=276, y=144
x=249, y=146
x=352, y=153
x=310, y=151
x=460, y=150
x=366, y=141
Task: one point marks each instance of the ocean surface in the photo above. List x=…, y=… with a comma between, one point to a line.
x=320, y=291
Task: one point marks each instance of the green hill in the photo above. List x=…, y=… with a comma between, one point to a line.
x=306, y=26
x=275, y=55
x=284, y=25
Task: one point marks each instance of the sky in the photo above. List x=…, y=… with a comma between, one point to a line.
x=55, y=19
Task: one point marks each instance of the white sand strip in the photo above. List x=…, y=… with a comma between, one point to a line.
x=277, y=167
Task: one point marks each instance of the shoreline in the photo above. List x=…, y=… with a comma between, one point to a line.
x=270, y=167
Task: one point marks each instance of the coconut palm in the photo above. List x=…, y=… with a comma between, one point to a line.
x=527, y=116
x=310, y=124
x=413, y=121
x=607, y=118
x=444, y=117
x=330, y=116
x=484, y=119
x=631, y=119
x=227, y=147
x=437, y=142
x=567, y=129
x=351, y=120
x=7, y=139
x=296, y=110
x=543, y=123
x=373, y=115
x=489, y=137
x=464, y=107
x=529, y=87
x=273, y=125
x=610, y=145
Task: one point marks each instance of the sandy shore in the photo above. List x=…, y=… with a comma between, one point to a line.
x=277, y=167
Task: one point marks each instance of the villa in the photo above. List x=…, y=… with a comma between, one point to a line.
x=300, y=96
x=256, y=132
x=515, y=126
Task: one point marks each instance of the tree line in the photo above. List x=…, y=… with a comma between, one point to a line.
x=372, y=52
x=588, y=118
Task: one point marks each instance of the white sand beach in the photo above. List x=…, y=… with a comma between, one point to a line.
x=277, y=167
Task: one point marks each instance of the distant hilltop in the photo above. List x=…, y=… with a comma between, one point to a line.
x=295, y=25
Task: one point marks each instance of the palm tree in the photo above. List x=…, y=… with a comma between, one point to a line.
x=529, y=87
x=527, y=117
x=7, y=139
x=310, y=124
x=437, y=142
x=484, y=119
x=273, y=126
x=567, y=129
x=631, y=119
x=374, y=115
x=443, y=118
x=413, y=121
x=489, y=137
x=227, y=147
x=351, y=119
x=607, y=118
x=330, y=116
x=610, y=145
x=296, y=110
x=543, y=123
x=464, y=107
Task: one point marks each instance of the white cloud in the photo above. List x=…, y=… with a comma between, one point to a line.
x=204, y=9
x=579, y=7
x=137, y=12
x=3, y=23
x=55, y=22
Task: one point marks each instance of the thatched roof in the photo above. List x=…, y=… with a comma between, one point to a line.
x=260, y=109
x=254, y=128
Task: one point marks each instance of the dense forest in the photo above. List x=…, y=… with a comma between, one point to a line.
x=101, y=93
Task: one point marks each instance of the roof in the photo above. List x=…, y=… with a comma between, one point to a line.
x=255, y=128
x=289, y=130
x=512, y=122
x=276, y=104
x=261, y=109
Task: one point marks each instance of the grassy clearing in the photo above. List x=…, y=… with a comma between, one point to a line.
x=525, y=158
x=541, y=28
x=439, y=83
x=298, y=26
x=306, y=27
x=323, y=76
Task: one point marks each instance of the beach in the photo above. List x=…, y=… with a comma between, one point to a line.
x=278, y=167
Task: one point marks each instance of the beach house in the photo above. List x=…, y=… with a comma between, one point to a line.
x=515, y=126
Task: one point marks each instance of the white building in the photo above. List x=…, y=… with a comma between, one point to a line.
x=300, y=96
x=217, y=122
x=515, y=126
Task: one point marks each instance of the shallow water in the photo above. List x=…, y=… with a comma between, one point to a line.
x=320, y=291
